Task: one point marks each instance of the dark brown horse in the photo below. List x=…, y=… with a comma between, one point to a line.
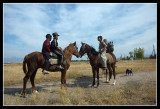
x=94, y=61
x=36, y=60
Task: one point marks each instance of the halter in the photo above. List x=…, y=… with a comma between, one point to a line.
x=84, y=48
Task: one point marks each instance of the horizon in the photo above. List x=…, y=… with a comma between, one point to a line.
x=129, y=26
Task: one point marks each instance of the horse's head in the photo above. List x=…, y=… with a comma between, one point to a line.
x=75, y=50
x=82, y=49
x=111, y=46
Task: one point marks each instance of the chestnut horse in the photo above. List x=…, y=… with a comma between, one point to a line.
x=35, y=60
x=93, y=56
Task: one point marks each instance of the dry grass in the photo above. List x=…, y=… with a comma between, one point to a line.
x=133, y=93
x=145, y=65
x=140, y=93
x=13, y=73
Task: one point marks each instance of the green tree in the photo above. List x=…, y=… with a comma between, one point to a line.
x=135, y=52
x=131, y=54
x=139, y=53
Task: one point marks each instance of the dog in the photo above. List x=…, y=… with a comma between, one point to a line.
x=129, y=72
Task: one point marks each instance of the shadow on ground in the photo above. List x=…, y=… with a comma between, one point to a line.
x=84, y=82
x=13, y=91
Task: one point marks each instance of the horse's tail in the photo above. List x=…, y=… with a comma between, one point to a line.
x=24, y=64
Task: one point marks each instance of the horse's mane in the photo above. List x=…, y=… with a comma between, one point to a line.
x=93, y=50
x=67, y=48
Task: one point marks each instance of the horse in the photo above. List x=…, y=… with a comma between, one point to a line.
x=94, y=62
x=36, y=60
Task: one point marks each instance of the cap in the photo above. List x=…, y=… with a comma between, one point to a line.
x=55, y=34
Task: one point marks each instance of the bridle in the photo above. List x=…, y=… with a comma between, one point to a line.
x=74, y=50
x=83, y=49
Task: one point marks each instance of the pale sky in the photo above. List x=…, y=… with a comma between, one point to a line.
x=128, y=25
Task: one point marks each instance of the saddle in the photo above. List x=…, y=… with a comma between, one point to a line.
x=53, y=58
x=109, y=58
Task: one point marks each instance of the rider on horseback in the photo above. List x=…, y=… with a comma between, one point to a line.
x=45, y=52
x=105, y=42
x=102, y=51
x=57, y=50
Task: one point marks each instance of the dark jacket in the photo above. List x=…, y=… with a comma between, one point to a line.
x=54, y=45
x=46, y=46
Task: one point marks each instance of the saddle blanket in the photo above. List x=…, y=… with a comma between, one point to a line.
x=109, y=58
x=53, y=61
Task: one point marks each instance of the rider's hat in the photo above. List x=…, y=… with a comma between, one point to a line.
x=48, y=35
x=55, y=34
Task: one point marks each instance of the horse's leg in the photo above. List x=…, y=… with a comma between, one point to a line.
x=97, y=77
x=25, y=79
x=110, y=72
x=32, y=81
x=114, y=73
x=107, y=77
x=93, y=71
x=63, y=79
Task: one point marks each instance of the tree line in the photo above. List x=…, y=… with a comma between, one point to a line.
x=138, y=53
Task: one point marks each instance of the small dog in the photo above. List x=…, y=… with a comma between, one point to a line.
x=129, y=72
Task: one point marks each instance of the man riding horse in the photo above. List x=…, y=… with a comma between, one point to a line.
x=105, y=42
x=47, y=48
x=57, y=50
x=102, y=51
x=45, y=52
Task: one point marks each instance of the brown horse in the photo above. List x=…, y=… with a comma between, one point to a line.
x=35, y=60
x=94, y=61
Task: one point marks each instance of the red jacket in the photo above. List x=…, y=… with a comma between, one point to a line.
x=46, y=46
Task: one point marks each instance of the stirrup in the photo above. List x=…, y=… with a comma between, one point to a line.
x=60, y=67
x=45, y=72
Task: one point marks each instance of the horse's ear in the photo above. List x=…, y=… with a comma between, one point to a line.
x=74, y=43
x=82, y=43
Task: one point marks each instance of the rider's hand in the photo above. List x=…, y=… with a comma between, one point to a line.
x=60, y=48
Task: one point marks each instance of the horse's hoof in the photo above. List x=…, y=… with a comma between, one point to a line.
x=92, y=86
x=35, y=91
x=63, y=88
x=24, y=96
x=114, y=82
x=97, y=86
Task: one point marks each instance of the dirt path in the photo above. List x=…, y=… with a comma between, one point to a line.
x=83, y=82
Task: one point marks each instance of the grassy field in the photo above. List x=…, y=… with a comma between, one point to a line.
x=132, y=93
x=13, y=73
